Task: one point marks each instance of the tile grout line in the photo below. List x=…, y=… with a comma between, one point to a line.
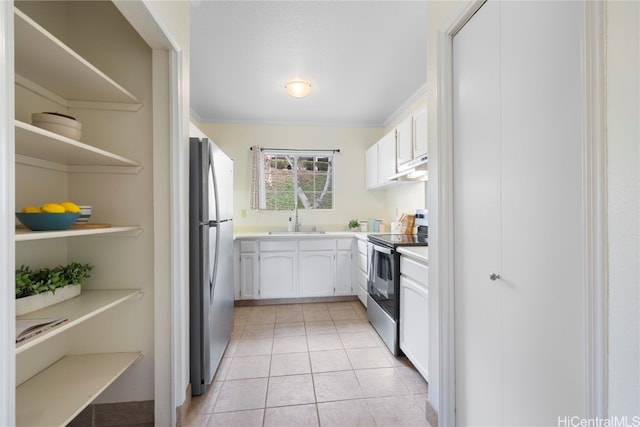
x=247, y=316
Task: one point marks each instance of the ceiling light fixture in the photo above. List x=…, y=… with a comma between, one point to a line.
x=298, y=88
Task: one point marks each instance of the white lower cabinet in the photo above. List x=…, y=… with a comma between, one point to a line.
x=248, y=270
x=317, y=273
x=414, y=313
x=276, y=268
x=278, y=274
x=249, y=276
x=344, y=267
x=344, y=273
x=362, y=271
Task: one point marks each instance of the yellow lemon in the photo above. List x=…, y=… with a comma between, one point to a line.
x=70, y=207
x=30, y=209
x=52, y=208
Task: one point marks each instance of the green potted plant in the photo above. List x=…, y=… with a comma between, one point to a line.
x=354, y=225
x=47, y=286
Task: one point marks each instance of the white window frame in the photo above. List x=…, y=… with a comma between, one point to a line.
x=297, y=154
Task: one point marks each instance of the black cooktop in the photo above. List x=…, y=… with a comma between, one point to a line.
x=399, y=239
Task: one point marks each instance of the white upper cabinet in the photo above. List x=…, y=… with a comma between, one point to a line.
x=420, y=133
x=404, y=142
x=371, y=167
x=386, y=153
x=411, y=139
x=380, y=161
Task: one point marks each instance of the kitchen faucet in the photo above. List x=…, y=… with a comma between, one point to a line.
x=296, y=224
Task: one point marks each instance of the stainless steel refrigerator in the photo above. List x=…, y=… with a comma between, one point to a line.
x=210, y=259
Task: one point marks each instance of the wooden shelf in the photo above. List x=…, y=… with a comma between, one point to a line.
x=25, y=235
x=42, y=144
x=51, y=65
x=88, y=304
x=59, y=393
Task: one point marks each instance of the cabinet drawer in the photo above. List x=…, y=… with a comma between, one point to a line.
x=419, y=272
x=344, y=244
x=278, y=245
x=318, y=245
x=362, y=247
x=362, y=279
x=362, y=295
x=248, y=246
x=362, y=262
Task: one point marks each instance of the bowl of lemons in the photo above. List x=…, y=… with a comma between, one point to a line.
x=49, y=217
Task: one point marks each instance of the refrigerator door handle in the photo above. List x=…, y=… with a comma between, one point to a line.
x=216, y=195
x=214, y=273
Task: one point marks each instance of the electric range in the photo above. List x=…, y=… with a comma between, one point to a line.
x=383, y=283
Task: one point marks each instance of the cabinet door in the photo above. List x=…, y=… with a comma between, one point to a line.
x=249, y=275
x=404, y=134
x=528, y=326
x=420, y=133
x=317, y=273
x=414, y=324
x=386, y=158
x=278, y=274
x=344, y=273
x=476, y=153
x=371, y=167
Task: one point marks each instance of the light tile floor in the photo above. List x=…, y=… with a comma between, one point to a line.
x=319, y=364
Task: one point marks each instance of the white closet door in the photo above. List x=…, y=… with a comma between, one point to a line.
x=518, y=212
x=542, y=218
x=478, y=303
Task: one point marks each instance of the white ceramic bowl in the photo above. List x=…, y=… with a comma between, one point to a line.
x=59, y=124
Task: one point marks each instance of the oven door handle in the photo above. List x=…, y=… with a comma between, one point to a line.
x=382, y=249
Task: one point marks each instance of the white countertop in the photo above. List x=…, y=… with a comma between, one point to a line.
x=266, y=235
x=420, y=253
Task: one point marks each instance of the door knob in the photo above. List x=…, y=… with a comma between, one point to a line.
x=494, y=276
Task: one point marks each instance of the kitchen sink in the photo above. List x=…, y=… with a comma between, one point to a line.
x=284, y=233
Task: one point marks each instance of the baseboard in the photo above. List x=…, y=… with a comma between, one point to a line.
x=183, y=410
x=116, y=414
x=432, y=414
x=307, y=300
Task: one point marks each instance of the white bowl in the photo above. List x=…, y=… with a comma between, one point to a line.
x=59, y=124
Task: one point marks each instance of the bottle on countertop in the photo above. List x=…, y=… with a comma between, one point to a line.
x=290, y=225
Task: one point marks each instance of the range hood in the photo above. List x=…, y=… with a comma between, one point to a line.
x=414, y=170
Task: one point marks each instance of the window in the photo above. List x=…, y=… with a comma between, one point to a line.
x=291, y=177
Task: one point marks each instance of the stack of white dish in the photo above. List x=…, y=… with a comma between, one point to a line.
x=58, y=123
x=85, y=213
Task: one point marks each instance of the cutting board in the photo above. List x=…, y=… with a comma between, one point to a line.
x=88, y=226
x=85, y=226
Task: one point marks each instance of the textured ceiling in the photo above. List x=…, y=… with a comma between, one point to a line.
x=365, y=60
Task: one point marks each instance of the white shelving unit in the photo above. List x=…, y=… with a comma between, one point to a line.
x=41, y=144
x=25, y=235
x=88, y=304
x=47, y=67
x=41, y=402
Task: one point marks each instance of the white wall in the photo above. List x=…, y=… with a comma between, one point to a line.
x=439, y=15
x=623, y=134
x=352, y=201
x=172, y=373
